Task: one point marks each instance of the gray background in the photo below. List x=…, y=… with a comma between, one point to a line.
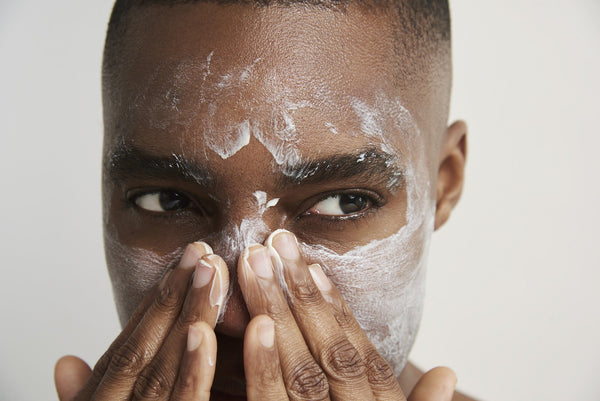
x=513, y=280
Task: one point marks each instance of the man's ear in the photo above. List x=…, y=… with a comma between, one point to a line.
x=451, y=171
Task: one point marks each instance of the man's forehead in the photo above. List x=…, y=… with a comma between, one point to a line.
x=207, y=76
x=353, y=50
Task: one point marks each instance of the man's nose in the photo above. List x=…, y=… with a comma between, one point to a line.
x=235, y=317
x=232, y=242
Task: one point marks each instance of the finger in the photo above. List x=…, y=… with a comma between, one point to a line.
x=70, y=375
x=140, y=311
x=436, y=385
x=102, y=364
x=328, y=343
x=381, y=377
x=203, y=302
x=197, y=369
x=303, y=378
x=264, y=380
x=141, y=346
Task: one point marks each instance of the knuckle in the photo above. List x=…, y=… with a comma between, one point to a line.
x=103, y=362
x=169, y=298
x=188, y=316
x=343, y=315
x=277, y=311
x=186, y=384
x=379, y=373
x=342, y=361
x=102, y=365
x=308, y=382
x=268, y=375
x=305, y=292
x=151, y=384
x=128, y=360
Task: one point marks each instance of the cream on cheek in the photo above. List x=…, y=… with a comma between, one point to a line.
x=383, y=282
x=133, y=271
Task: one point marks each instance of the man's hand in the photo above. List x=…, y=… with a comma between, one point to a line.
x=309, y=346
x=168, y=348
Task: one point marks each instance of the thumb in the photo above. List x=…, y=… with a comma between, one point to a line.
x=70, y=375
x=436, y=385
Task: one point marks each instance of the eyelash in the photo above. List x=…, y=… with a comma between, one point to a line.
x=132, y=198
x=339, y=222
x=330, y=221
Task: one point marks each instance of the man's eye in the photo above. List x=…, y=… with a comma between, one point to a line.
x=162, y=201
x=341, y=205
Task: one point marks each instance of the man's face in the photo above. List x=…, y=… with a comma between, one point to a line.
x=224, y=123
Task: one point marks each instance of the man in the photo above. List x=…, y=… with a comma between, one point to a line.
x=272, y=171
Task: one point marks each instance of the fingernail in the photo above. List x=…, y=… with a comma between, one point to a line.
x=203, y=274
x=266, y=333
x=285, y=244
x=319, y=278
x=218, y=290
x=260, y=262
x=204, y=246
x=195, y=336
x=193, y=252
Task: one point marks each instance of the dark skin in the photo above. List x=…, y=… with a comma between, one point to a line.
x=306, y=346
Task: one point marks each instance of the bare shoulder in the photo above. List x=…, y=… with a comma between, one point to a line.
x=411, y=375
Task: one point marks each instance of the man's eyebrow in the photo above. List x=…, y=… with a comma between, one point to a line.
x=126, y=162
x=369, y=166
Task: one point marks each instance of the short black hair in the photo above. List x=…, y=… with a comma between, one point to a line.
x=428, y=21
x=433, y=14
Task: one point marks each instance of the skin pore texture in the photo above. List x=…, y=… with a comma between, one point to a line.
x=265, y=118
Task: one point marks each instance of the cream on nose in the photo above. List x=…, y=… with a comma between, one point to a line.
x=231, y=241
x=229, y=244
x=249, y=227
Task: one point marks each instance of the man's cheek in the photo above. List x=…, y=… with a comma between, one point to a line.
x=133, y=271
x=383, y=284
x=383, y=281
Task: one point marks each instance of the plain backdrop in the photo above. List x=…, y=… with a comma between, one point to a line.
x=512, y=297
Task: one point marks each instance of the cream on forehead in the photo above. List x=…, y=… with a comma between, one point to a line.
x=228, y=108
